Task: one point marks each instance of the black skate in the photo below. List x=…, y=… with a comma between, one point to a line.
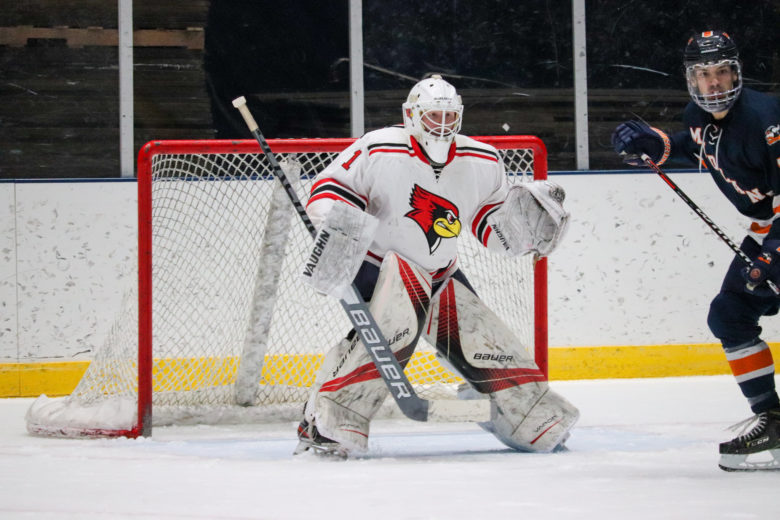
x=761, y=445
x=311, y=439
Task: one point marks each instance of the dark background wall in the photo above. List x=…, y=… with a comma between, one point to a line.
x=512, y=62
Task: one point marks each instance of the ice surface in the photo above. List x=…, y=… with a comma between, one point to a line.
x=643, y=449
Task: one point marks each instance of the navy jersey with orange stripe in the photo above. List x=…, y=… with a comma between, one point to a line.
x=421, y=213
x=742, y=153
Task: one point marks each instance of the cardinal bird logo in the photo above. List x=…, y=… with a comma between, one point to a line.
x=436, y=216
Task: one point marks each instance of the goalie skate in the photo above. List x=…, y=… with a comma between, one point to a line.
x=309, y=439
x=758, y=449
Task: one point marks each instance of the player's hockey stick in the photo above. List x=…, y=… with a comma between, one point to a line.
x=369, y=332
x=734, y=247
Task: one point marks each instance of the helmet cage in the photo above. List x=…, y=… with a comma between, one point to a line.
x=719, y=101
x=712, y=49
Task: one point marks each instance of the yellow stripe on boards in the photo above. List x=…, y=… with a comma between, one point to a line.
x=34, y=379
x=616, y=362
x=605, y=362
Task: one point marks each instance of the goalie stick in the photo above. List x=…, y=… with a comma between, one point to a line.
x=734, y=247
x=360, y=316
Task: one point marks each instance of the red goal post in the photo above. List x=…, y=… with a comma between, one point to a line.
x=219, y=307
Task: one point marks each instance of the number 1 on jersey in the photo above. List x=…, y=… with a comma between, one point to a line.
x=348, y=164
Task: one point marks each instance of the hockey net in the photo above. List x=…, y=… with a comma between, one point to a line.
x=221, y=329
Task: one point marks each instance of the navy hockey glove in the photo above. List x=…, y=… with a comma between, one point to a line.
x=766, y=266
x=634, y=138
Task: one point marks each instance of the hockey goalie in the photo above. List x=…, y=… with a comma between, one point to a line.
x=389, y=210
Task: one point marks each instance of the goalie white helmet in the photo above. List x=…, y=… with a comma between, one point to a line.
x=432, y=115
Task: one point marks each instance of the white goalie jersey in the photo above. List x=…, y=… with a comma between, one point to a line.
x=421, y=215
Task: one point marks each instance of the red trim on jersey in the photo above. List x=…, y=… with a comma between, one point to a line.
x=325, y=193
x=333, y=196
x=418, y=151
x=331, y=180
x=480, y=215
x=478, y=220
x=452, y=152
x=391, y=150
x=473, y=154
x=488, y=230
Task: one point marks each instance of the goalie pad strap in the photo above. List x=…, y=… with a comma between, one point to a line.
x=339, y=248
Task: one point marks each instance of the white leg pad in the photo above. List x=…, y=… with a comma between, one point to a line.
x=349, y=389
x=525, y=414
x=344, y=415
x=343, y=424
x=532, y=417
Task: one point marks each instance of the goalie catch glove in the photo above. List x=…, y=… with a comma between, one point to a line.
x=634, y=138
x=766, y=267
x=533, y=218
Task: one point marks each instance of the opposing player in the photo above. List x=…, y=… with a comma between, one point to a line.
x=735, y=133
x=389, y=210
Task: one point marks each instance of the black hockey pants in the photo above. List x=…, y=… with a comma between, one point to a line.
x=734, y=313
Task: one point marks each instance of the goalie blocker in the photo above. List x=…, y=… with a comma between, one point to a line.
x=525, y=413
x=339, y=249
